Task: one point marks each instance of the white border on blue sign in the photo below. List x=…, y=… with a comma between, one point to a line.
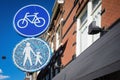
x=35, y=34
x=33, y=70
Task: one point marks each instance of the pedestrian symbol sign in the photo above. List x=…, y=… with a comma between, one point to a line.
x=31, y=54
x=31, y=20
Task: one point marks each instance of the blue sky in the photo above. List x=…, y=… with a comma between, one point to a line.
x=9, y=37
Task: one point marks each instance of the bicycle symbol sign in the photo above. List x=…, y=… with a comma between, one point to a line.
x=31, y=20
x=23, y=23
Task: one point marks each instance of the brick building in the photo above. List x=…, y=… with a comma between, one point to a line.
x=83, y=35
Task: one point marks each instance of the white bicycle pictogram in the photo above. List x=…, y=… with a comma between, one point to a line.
x=23, y=22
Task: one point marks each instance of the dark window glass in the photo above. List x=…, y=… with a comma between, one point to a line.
x=83, y=17
x=94, y=3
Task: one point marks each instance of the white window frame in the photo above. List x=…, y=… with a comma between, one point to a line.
x=58, y=32
x=95, y=8
x=80, y=28
x=96, y=17
x=87, y=21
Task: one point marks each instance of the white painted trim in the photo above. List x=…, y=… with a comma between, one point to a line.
x=78, y=38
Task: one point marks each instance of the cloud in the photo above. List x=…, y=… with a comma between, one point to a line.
x=0, y=70
x=2, y=77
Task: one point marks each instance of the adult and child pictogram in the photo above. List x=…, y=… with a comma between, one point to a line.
x=31, y=54
x=27, y=52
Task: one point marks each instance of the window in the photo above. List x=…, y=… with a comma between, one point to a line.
x=83, y=30
x=52, y=46
x=83, y=16
x=58, y=37
x=94, y=3
x=84, y=38
x=57, y=40
x=96, y=13
x=91, y=12
x=96, y=9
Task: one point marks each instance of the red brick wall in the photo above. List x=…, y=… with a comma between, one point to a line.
x=70, y=37
x=112, y=12
x=70, y=49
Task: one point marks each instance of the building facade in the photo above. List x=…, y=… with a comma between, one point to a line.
x=31, y=76
x=79, y=35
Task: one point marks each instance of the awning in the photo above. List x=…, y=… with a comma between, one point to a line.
x=101, y=58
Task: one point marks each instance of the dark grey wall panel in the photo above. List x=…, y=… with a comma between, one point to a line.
x=101, y=58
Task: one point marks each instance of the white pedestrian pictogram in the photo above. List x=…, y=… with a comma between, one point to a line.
x=27, y=50
x=38, y=58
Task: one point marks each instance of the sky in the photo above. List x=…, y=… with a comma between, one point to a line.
x=9, y=38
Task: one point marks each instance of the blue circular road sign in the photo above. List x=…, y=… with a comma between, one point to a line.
x=31, y=54
x=31, y=20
